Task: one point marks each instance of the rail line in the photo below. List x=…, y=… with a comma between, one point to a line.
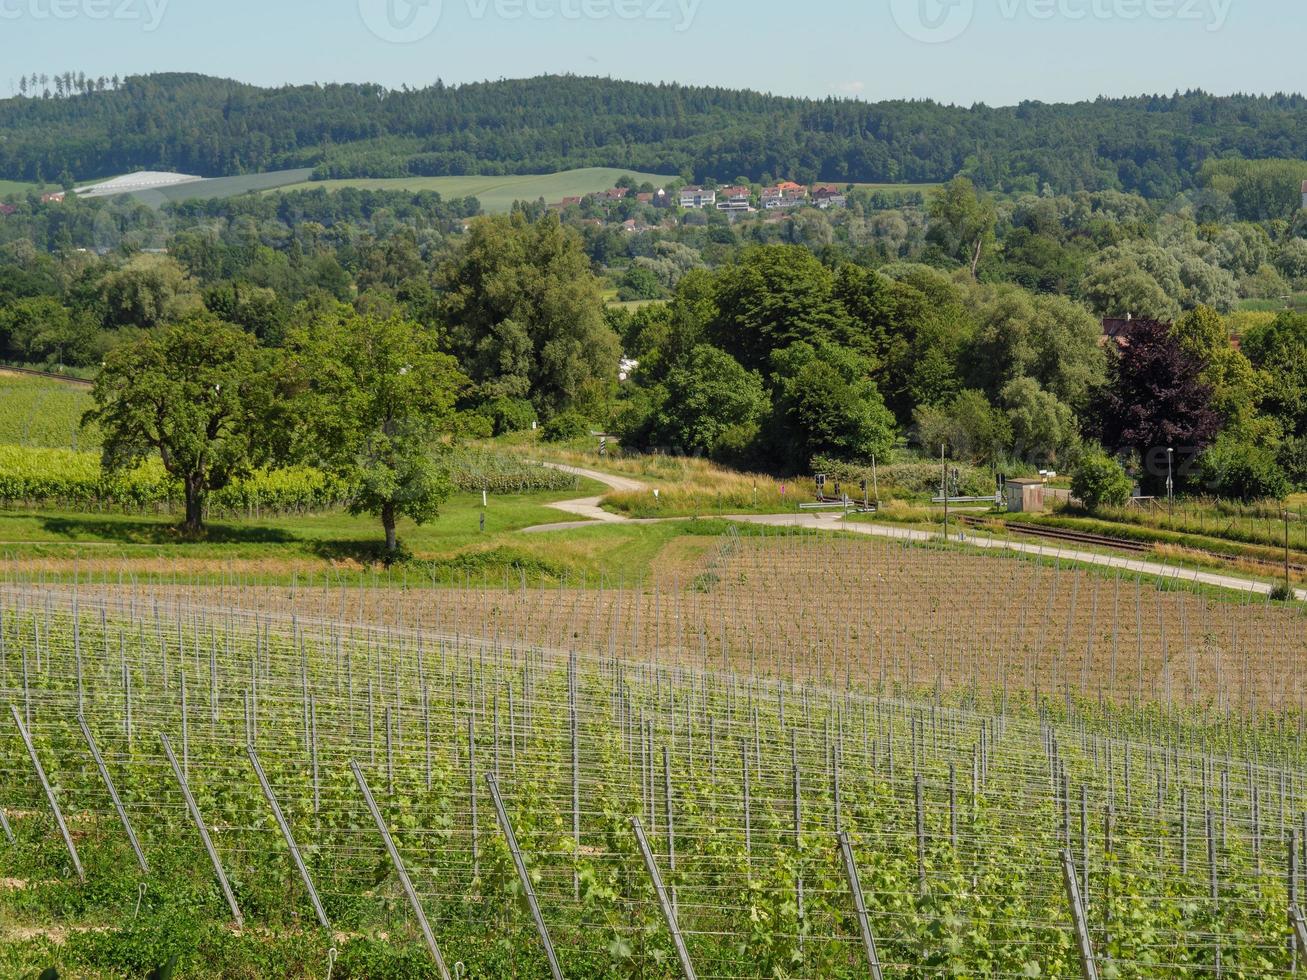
x=1119, y=544
x=6, y=368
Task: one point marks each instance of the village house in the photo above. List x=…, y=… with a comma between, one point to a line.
x=828, y=196
x=734, y=199
x=1120, y=330
x=786, y=194
x=697, y=197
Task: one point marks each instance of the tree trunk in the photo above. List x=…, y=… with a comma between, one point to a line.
x=388, y=522
x=194, y=505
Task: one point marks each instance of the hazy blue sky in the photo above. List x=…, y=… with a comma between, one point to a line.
x=996, y=51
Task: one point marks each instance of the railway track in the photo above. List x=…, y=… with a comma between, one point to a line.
x=47, y=375
x=1062, y=534
x=1118, y=544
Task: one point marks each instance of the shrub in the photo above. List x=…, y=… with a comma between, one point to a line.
x=509, y=414
x=1100, y=481
x=564, y=427
x=1239, y=470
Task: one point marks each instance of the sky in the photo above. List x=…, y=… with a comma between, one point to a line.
x=999, y=52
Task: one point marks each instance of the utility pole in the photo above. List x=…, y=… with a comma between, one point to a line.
x=943, y=464
x=1288, y=587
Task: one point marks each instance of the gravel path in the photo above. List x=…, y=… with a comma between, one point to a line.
x=588, y=507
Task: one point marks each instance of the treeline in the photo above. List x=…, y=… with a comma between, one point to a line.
x=776, y=360
x=1151, y=145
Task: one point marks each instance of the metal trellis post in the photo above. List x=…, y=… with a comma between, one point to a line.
x=554, y=969
x=669, y=914
x=1088, y=965
x=113, y=794
x=397, y=862
x=289, y=836
x=204, y=831
x=49, y=793
x=859, y=905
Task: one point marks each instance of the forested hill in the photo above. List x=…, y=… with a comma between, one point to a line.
x=1152, y=145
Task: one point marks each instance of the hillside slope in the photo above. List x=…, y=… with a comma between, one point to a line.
x=215, y=127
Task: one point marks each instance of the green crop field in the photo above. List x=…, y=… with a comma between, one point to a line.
x=40, y=412
x=497, y=194
x=454, y=769
x=892, y=188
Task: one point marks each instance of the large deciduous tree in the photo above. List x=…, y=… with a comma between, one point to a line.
x=711, y=406
x=962, y=223
x=197, y=395
x=827, y=405
x=525, y=315
x=375, y=396
x=1156, y=400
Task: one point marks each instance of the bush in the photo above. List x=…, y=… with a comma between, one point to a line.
x=908, y=478
x=1238, y=470
x=1100, y=481
x=564, y=427
x=509, y=415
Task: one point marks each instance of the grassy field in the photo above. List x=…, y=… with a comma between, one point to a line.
x=1297, y=302
x=42, y=412
x=896, y=188
x=276, y=548
x=8, y=187
x=497, y=194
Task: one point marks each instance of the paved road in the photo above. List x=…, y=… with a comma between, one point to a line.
x=588, y=507
x=835, y=522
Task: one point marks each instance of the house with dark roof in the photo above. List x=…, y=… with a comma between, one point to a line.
x=828, y=196
x=734, y=199
x=786, y=194
x=1120, y=330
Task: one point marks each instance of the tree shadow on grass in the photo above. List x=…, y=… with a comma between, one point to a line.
x=82, y=529
x=364, y=551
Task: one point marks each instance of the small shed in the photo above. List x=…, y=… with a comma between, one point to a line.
x=1025, y=496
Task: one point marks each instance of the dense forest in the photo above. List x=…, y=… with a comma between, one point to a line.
x=1154, y=146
